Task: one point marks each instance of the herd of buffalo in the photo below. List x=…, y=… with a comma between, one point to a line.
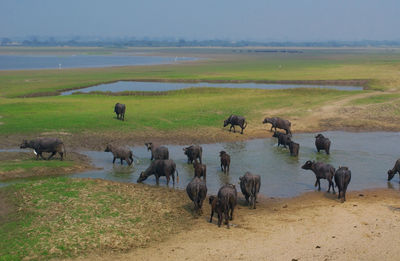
x=223, y=204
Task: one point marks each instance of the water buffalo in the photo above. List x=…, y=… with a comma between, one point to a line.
x=160, y=168
x=396, y=169
x=40, y=145
x=193, y=152
x=279, y=123
x=197, y=192
x=157, y=152
x=250, y=187
x=119, y=109
x=321, y=171
x=322, y=143
x=216, y=207
x=283, y=139
x=294, y=148
x=227, y=196
x=225, y=161
x=120, y=153
x=236, y=120
x=342, y=180
x=200, y=170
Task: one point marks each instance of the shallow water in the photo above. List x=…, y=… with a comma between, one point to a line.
x=368, y=155
x=170, y=86
x=29, y=62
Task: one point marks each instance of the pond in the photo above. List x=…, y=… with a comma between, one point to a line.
x=170, y=86
x=368, y=155
x=29, y=62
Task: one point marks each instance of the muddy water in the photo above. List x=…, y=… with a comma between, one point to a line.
x=368, y=155
x=169, y=86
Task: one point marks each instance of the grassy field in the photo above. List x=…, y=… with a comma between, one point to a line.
x=62, y=217
x=379, y=66
x=185, y=109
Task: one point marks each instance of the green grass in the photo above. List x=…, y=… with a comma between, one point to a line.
x=184, y=109
x=29, y=164
x=376, y=99
x=63, y=217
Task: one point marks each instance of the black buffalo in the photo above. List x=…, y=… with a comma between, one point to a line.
x=216, y=207
x=227, y=196
x=119, y=109
x=40, y=145
x=160, y=168
x=197, y=192
x=322, y=143
x=193, y=152
x=342, y=180
x=279, y=123
x=200, y=170
x=225, y=161
x=250, y=187
x=283, y=139
x=120, y=153
x=236, y=120
x=157, y=152
x=321, y=171
x=396, y=169
x=294, y=148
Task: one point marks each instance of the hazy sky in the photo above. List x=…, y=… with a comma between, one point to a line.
x=295, y=20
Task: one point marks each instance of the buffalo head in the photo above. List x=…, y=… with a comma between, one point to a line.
x=308, y=164
x=142, y=177
x=149, y=145
x=391, y=174
x=24, y=144
x=108, y=148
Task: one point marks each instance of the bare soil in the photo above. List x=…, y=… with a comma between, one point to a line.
x=314, y=226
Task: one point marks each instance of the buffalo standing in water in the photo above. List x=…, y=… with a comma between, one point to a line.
x=250, y=187
x=342, y=180
x=283, y=139
x=225, y=161
x=160, y=168
x=197, y=192
x=120, y=153
x=294, y=148
x=157, y=152
x=279, y=123
x=321, y=171
x=322, y=143
x=40, y=145
x=193, y=152
x=396, y=169
x=236, y=120
x=119, y=109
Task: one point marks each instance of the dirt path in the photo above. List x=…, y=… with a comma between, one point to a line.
x=314, y=226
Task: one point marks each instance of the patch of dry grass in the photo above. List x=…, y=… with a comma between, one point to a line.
x=61, y=217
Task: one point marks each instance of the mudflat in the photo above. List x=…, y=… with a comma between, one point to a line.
x=313, y=226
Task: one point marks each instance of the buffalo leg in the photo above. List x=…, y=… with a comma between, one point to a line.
x=212, y=214
x=241, y=131
x=319, y=184
x=52, y=154
x=234, y=130
x=158, y=180
x=230, y=129
x=41, y=156
x=121, y=161
x=61, y=155
x=222, y=168
x=114, y=159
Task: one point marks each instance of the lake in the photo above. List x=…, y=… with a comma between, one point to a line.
x=121, y=86
x=29, y=62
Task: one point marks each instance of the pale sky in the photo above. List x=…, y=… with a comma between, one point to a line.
x=262, y=20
